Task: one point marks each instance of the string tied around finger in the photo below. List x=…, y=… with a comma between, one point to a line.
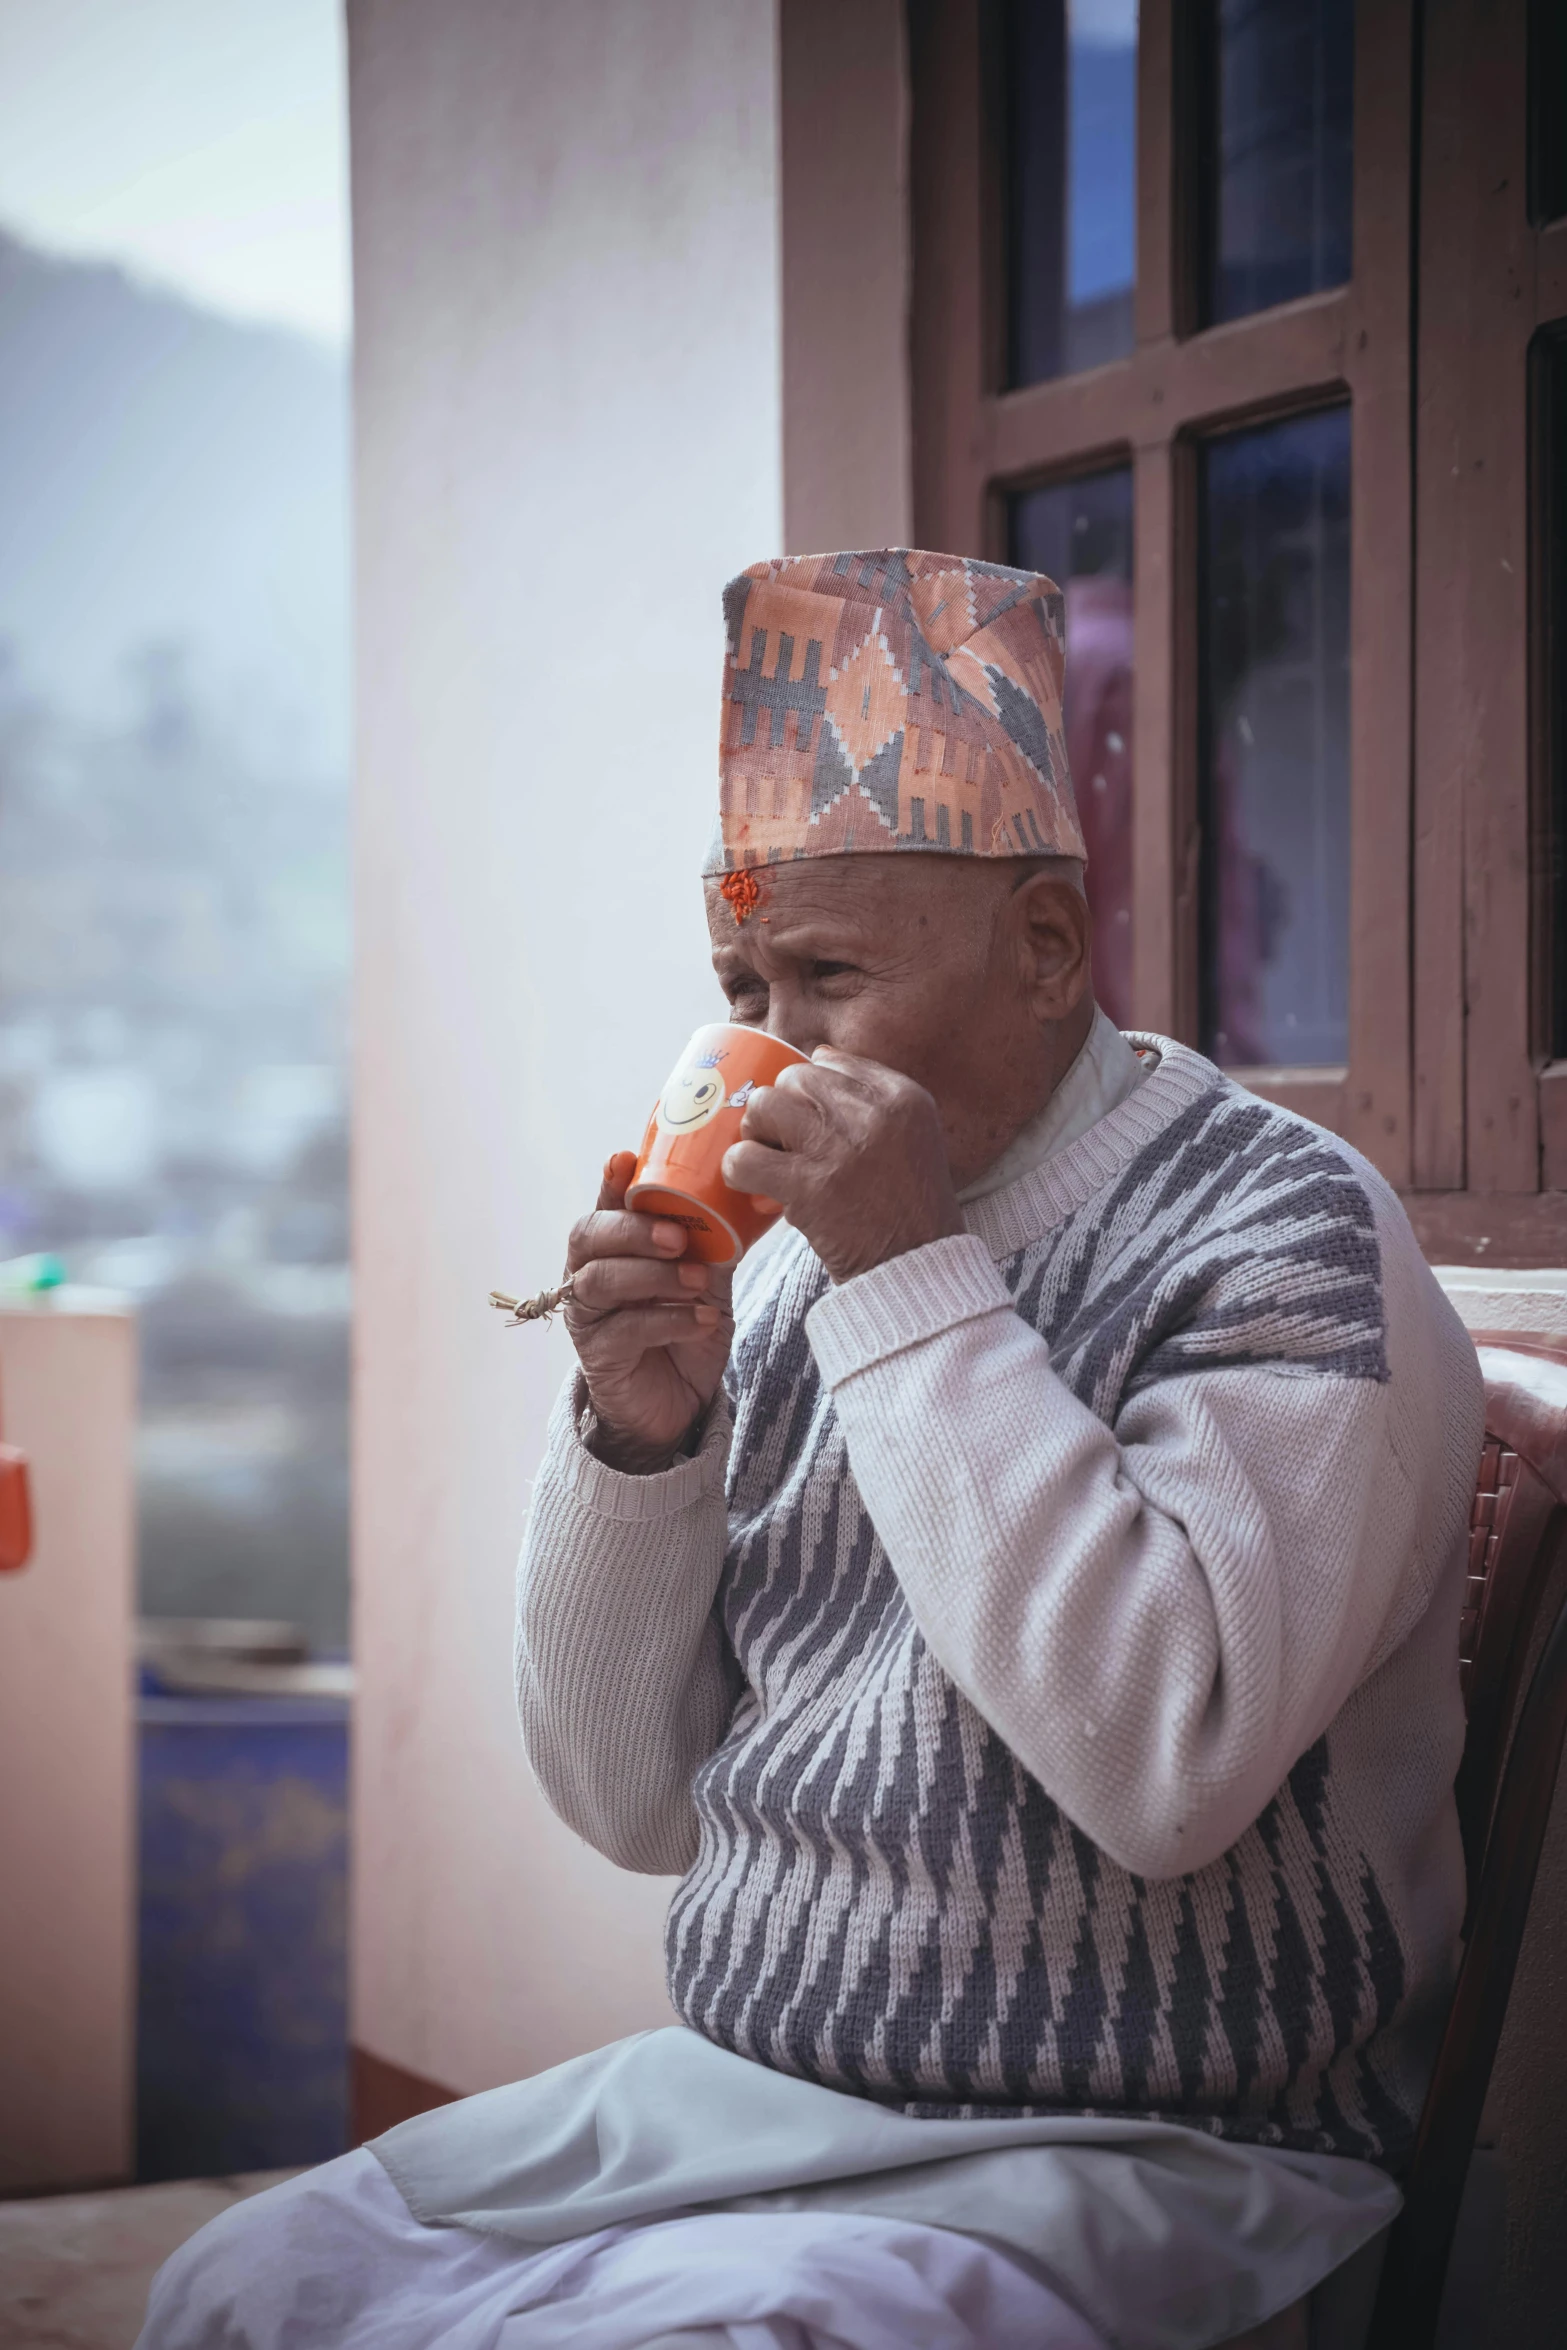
x=542, y=1308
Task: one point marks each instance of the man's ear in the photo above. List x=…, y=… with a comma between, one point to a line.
x=1054, y=943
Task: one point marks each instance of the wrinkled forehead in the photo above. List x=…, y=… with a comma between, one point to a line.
x=875, y=888
x=869, y=887
x=865, y=901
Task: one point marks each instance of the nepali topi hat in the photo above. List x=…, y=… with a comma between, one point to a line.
x=892, y=699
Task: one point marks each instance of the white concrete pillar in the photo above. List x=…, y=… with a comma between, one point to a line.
x=568, y=437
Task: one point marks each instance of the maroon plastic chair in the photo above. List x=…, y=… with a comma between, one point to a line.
x=1512, y=1752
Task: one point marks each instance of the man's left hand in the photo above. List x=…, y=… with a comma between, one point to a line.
x=854, y=1155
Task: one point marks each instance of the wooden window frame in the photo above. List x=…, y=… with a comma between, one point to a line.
x=1450, y=1088
x=1490, y=1106
x=975, y=443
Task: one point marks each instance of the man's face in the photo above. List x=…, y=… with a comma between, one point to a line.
x=928, y=964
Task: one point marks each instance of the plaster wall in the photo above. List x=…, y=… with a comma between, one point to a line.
x=67, y=1762
x=568, y=436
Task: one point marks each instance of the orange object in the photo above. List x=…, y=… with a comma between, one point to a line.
x=16, y=1510
x=696, y=1118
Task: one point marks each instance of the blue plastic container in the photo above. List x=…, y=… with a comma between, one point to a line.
x=242, y=2054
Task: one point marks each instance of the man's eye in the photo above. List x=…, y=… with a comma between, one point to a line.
x=830, y=970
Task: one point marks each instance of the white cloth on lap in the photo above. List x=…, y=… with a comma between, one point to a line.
x=335, y=2258
x=1164, y=2237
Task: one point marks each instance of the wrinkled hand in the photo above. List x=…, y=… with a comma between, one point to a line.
x=651, y=1332
x=854, y=1155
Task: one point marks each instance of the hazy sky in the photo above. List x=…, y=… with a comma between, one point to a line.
x=201, y=142
x=1109, y=24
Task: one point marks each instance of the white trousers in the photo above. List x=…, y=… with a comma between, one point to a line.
x=334, y=2260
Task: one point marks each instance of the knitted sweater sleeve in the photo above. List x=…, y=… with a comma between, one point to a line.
x=624, y=1680
x=1158, y=1617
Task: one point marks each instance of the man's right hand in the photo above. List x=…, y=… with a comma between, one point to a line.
x=651, y=1329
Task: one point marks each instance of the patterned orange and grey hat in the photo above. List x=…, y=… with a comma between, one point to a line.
x=892, y=700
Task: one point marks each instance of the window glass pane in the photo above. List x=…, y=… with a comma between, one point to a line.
x=1275, y=744
x=1071, y=95
x=1551, y=383
x=1080, y=534
x=1281, y=87
x=1548, y=80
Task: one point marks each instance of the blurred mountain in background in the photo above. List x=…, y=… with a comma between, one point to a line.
x=169, y=475
x=174, y=899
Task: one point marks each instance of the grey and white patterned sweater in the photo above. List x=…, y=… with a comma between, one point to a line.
x=1045, y=1674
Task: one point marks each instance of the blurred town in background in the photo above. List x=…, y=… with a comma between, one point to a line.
x=174, y=900
x=174, y=955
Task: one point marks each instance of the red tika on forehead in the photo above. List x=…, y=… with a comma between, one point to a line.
x=892, y=699
x=742, y=890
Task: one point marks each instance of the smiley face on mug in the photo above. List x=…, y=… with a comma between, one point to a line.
x=692, y=1096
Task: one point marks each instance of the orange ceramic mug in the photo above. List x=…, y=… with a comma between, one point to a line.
x=680, y=1167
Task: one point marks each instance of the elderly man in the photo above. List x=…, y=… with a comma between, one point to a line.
x=1024, y=1616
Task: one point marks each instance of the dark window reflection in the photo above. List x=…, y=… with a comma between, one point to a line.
x=1070, y=71
x=1080, y=534
x=1280, y=85
x=1275, y=743
x=1548, y=82
x=1551, y=391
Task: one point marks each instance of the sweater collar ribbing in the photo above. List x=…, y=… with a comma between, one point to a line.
x=1029, y=1208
